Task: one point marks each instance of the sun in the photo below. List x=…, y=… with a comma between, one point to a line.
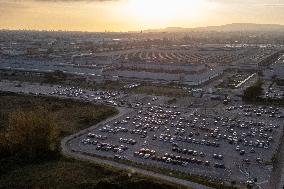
x=163, y=11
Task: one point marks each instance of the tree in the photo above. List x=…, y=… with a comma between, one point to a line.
x=251, y=93
x=31, y=135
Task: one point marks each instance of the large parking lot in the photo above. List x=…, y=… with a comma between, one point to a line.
x=233, y=142
x=223, y=145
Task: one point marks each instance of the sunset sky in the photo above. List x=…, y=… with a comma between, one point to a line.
x=129, y=15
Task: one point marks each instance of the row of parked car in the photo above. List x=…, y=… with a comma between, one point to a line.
x=174, y=159
x=128, y=141
x=113, y=130
x=248, y=110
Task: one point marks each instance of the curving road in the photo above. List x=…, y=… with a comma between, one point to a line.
x=277, y=177
x=122, y=111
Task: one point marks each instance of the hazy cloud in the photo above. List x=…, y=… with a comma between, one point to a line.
x=65, y=0
x=273, y=5
x=98, y=15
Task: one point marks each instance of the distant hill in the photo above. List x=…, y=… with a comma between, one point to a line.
x=225, y=28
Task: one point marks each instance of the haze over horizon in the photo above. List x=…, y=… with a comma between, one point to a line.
x=135, y=15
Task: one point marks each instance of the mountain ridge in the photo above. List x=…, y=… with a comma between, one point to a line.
x=224, y=28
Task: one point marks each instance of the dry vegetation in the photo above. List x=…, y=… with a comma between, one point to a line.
x=29, y=135
x=57, y=78
x=31, y=128
x=70, y=116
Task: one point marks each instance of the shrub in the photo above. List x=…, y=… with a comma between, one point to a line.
x=251, y=93
x=30, y=135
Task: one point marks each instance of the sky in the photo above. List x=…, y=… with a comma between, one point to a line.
x=135, y=15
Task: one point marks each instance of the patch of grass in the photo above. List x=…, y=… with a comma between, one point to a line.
x=70, y=115
x=58, y=78
x=69, y=173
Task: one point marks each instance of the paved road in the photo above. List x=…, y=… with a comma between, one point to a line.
x=281, y=164
x=67, y=152
x=280, y=167
x=277, y=176
x=281, y=183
